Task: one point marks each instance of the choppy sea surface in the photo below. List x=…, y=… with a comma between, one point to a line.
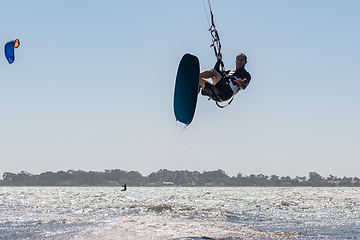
x=179, y=213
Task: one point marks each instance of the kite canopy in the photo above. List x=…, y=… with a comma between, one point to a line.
x=10, y=50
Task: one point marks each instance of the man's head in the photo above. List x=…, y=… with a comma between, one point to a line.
x=240, y=61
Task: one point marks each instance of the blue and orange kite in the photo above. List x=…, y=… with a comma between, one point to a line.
x=10, y=50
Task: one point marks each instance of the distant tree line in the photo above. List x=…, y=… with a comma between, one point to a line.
x=167, y=177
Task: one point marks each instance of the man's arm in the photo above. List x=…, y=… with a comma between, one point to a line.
x=245, y=81
x=218, y=63
x=217, y=66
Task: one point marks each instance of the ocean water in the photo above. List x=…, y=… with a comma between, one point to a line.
x=179, y=213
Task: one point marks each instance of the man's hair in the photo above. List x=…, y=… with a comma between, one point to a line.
x=242, y=54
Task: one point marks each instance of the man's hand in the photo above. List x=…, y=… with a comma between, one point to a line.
x=240, y=81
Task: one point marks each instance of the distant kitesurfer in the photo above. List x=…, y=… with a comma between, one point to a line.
x=225, y=84
x=124, y=185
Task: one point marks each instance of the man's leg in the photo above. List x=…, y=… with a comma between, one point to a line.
x=211, y=73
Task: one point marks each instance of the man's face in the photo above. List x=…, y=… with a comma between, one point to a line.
x=240, y=61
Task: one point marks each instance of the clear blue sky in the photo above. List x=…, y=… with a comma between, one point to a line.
x=92, y=87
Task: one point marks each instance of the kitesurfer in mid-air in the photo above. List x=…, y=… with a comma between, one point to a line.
x=225, y=84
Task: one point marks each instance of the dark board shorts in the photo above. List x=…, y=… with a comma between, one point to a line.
x=219, y=92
